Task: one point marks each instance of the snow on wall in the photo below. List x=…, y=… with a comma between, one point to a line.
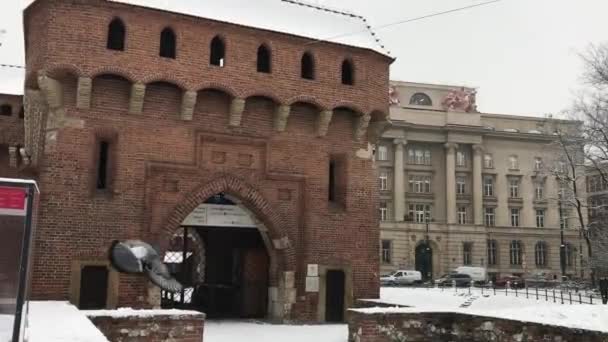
x=288, y=16
x=129, y=312
x=60, y=322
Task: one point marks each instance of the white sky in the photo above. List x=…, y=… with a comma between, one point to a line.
x=521, y=54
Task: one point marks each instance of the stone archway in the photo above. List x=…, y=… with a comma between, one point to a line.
x=426, y=259
x=270, y=224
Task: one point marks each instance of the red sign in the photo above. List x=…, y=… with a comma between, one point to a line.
x=12, y=201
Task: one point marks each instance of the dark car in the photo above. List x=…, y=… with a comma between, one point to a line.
x=461, y=280
x=514, y=282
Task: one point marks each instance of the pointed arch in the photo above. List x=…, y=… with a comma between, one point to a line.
x=168, y=43
x=116, y=35
x=264, y=59
x=217, y=52
x=348, y=72
x=307, y=66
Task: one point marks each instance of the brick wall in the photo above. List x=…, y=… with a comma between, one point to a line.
x=150, y=328
x=445, y=326
x=162, y=166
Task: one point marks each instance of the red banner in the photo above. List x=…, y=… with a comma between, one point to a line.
x=12, y=201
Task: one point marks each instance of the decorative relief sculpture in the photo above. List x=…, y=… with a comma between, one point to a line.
x=393, y=96
x=460, y=100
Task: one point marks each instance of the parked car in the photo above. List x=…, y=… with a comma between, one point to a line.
x=540, y=279
x=514, y=282
x=401, y=277
x=461, y=280
x=478, y=274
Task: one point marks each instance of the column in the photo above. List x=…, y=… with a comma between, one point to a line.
x=477, y=184
x=399, y=183
x=450, y=181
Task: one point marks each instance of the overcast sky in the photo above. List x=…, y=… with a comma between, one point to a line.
x=520, y=54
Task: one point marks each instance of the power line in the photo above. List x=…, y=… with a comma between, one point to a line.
x=409, y=20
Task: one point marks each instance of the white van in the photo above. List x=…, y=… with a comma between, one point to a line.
x=477, y=274
x=401, y=277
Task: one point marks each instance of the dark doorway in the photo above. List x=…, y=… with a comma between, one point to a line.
x=93, y=287
x=334, y=296
x=424, y=261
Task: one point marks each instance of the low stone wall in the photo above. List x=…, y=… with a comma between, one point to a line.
x=127, y=325
x=368, y=325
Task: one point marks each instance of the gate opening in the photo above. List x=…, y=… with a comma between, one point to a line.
x=424, y=260
x=221, y=259
x=334, y=296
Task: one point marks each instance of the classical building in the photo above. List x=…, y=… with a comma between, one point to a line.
x=238, y=145
x=459, y=187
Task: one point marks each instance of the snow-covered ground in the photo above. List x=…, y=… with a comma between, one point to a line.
x=226, y=331
x=6, y=327
x=583, y=316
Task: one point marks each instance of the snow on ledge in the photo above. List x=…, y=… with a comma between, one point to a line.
x=52, y=321
x=130, y=312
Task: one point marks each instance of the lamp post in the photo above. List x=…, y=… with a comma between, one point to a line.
x=427, y=250
x=562, y=246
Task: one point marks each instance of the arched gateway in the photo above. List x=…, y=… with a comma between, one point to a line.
x=230, y=253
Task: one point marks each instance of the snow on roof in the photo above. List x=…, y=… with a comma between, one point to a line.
x=11, y=80
x=288, y=16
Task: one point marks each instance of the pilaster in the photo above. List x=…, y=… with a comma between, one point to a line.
x=450, y=182
x=399, y=180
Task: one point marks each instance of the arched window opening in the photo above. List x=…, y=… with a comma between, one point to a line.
x=116, y=35
x=264, y=63
x=348, y=73
x=421, y=99
x=218, y=52
x=308, y=67
x=6, y=110
x=167, y=43
x=540, y=253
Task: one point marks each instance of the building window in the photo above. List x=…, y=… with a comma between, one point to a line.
x=332, y=181
x=103, y=161
x=561, y=167
x=167, y=43
x=217, y=53
x=513, y=163
x=383, y=180
x=382, y=152
x=418, y=156
x=307, y=67
x=462, y=215
x=540, y=218
x=513, y=187
x=384, y=211
x=264, y=62
x=116, y=35
x=515, y=253
x=489, y=217
x=492, y=252
x=461, y=158
x=386, y=251
x=563, y=218
x=6, y=110
x=420, y=184
x=348, y=73
x=488, y=161
x=596, y=183
x=93, y=287
x=461, y=185
x=569, y=254
x=420, y=213
x=488, y=186
x=514, y=217
x=538, y=164
x=539, y=191
x=467, y=253
x=540, y=254
x=421, y=99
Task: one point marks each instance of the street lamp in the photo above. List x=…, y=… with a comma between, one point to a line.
x=562, y=246
x=428, y=249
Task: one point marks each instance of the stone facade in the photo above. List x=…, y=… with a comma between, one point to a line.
x=178, y=131
x=153, y=326
x=439, y=161
x=446, y=326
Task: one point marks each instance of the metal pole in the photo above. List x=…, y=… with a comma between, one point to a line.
x=562, y=246
x=184, y=255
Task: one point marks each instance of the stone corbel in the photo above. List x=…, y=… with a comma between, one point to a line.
x=281, y=115
x=12, y=156
x=323, y=122
x=51, y=90
x=361, y=126
x=83, y=97
x=136, y=102
x=188, y=103
x=237, y=106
